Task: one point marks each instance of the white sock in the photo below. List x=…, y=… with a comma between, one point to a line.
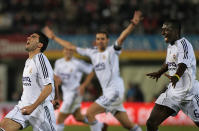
x=97, y=126
x=136, y=128
x=60, y=127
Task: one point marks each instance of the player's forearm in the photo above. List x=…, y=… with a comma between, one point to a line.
x=64, y=43
x=88, y=79
x=44, y=94
x=125, y=33
x=163, y=69
x=181, y=69
x=56, y=92
x=57, y=83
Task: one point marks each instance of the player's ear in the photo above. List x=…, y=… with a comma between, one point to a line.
x=40, y=45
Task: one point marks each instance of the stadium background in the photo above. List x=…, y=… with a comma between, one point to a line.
x=77, y=21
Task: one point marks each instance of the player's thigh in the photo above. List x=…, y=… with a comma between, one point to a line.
x=95, y=109
x=160, y=113
x=61, y=117
x=197, y=124
x=10, y=125
x=122, y=117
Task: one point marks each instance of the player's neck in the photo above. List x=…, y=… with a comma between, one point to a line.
x=33, y=53
x=173, y=42
x=101, y=50
x=68, y=58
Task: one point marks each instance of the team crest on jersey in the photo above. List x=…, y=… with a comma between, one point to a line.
x=104, y=57
x=174, y=57
x=30, y=71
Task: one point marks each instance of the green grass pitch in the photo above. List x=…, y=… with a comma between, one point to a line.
x=119, y=128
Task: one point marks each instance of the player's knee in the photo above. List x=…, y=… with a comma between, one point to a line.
x=89, y=115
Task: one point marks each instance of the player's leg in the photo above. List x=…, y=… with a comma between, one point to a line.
x=122, y=117
x=65, y=109
x=9, y=125
x=197, y=124
x=157, y=116
x=78, y=115
x=92, y=111
x=44, y=119
x=14, y=120
x=60, y=120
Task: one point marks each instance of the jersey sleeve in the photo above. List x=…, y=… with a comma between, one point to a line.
x=85, y=67
x=44, y=69
x=84, y=51
x=184, y=53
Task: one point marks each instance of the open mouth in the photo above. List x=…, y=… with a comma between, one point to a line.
x=166, y=38
x=27, y=43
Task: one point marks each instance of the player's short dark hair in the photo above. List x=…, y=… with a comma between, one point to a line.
x=175, y=24
x=103, y=32
x=43, y=39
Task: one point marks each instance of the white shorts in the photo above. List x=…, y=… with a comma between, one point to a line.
x=71, y=102
x=41, y=119
x=112, y=101
x=189, y=107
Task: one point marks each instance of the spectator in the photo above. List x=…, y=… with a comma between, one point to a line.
x=134, y=93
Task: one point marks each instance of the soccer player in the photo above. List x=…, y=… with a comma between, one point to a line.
x=181, y=65
x=68, y=73
x=105, y=61
x=35, y=107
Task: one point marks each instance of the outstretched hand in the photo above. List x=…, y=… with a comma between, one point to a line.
x=137, y=17
x=154, y=75
x=48, y=32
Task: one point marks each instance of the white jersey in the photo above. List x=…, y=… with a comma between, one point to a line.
x=106, y=65
x=37, y=73
x=71, y=72
x=182, y=52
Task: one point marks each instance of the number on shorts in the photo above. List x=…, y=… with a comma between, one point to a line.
x=196, y=113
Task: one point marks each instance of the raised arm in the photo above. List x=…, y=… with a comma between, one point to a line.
x=51, y=35
x=134, y=21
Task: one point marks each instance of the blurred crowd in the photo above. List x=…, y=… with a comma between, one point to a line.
x=86, y=16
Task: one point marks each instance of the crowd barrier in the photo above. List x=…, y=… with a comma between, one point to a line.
x=137, y=113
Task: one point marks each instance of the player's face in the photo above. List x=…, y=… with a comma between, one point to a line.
x=101, y=41
x=68, y=53
x=32, y=42
x=169, y=33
